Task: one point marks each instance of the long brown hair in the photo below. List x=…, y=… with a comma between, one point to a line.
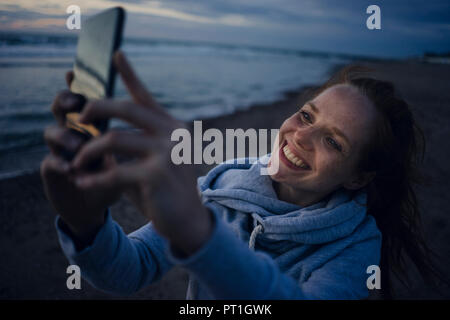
x=395, y=154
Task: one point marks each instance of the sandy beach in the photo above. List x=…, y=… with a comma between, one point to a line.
x=32, y=265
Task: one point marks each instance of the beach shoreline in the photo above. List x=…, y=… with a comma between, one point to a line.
x=33, y=265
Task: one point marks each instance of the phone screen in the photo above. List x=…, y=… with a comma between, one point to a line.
x=94, y=74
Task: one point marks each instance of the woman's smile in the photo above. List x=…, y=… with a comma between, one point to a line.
x=291, y=158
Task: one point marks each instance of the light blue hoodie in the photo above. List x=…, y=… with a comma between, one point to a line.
x=260, y=248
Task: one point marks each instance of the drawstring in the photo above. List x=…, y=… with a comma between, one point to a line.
x=258, y=229
x=193, y=289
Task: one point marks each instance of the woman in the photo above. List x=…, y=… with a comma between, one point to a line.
x=309, y=230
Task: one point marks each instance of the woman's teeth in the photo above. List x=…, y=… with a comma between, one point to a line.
x=293, y=159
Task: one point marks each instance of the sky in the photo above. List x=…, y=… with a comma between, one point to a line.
x=408, y=28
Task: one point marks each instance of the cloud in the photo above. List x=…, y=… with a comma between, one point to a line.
x=36, y=24
x=305, y=24
x=153, y=8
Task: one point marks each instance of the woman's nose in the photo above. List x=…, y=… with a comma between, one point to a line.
x=304, y=137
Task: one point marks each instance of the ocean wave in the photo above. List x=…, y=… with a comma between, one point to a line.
x=25, y=115
x=17, y=39
x=36, y=64
x=13, y=45
x=20, y=140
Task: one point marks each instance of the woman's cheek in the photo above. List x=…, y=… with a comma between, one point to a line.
x=330, y=167
x=340, y=171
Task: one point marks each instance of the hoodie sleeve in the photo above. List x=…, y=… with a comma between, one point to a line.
x=116, y=263
x=230, y=270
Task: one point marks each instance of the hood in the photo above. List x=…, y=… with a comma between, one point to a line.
x=242, y=188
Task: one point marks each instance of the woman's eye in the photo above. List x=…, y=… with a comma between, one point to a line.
x=305, y=116
x=334, y=144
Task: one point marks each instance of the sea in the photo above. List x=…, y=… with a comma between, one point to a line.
x=192, y=80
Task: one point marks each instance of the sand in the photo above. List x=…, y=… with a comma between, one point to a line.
x=32, y=265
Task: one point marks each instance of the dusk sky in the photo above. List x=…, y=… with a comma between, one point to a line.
x=408, y=28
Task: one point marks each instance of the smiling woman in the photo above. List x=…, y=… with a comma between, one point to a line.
x=325, y=139
x=359, y=135
x=310, y=230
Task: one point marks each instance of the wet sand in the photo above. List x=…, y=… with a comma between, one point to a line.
x=32, y=265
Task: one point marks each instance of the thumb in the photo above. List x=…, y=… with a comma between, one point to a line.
x=135, y=87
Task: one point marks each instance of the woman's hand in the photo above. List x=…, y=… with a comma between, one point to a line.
x=83, y=212
x=164, y=192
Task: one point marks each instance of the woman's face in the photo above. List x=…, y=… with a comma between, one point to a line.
x=320, y=145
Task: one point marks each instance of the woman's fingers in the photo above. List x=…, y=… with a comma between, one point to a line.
x=61, y=101
x=127, y=111
x=69, y=77
x=135, y=87
x=54, y=164
x=117, y=178
x=64, y=103
x=119, y=142
x=122, y=176
x=60, y=139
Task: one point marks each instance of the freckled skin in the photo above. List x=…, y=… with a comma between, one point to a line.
x=341, y=106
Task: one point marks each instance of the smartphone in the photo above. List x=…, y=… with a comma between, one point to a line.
x=94, y=73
